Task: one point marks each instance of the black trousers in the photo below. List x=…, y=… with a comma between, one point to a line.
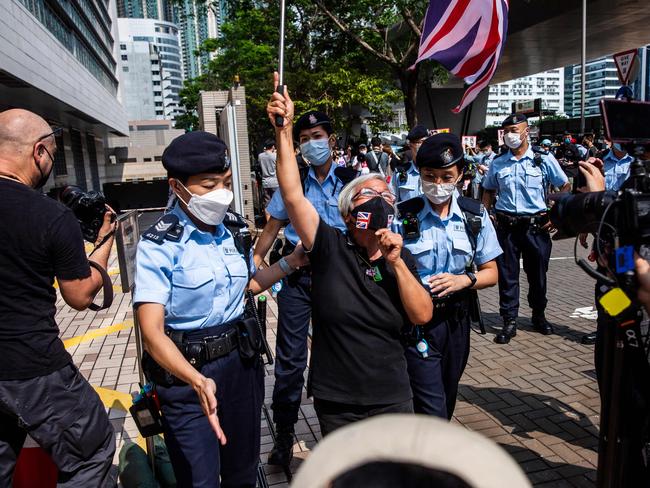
x=334, y=415
x=435, y=379
x=63, y=413
x=198, y=459
x=294, y=313
x=534, y=246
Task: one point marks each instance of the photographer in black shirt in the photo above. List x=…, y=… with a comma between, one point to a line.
x=41, y=391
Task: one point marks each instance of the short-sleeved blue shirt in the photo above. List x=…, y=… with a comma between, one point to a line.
x=519, y=184
x=616, y=170
x=484, y=160
x=323, y=196
x=444, y=245
x=411, y=188
x=200, y=279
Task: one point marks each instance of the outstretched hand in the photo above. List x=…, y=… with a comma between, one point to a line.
x=206, y=390
x=280, y=105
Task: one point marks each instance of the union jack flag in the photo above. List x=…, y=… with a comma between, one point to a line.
x=467, y=38
x=363, y=219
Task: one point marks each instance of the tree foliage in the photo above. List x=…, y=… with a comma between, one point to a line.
x=324, y=69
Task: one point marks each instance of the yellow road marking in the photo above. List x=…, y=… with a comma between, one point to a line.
x=118, y=400
x=94, y=334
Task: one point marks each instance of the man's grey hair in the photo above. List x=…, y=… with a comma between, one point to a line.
x=348, y=192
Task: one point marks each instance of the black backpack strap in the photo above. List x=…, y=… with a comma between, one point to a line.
x=473, y=217
x=538, y=161
x=238, y=227
x=166, y=228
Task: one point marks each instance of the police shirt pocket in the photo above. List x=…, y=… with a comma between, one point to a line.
x=461, y=243
x=192, y=292
x=534, y=177
x=503, y=176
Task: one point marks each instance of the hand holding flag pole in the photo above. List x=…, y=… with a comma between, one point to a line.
x=279, y=120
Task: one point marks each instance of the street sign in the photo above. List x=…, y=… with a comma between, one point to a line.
x=625, y=63
x=469, y=141
x=531, y=108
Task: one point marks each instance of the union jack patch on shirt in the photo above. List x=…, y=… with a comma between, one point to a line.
x=363, y=219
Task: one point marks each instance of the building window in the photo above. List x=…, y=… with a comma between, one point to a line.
x=159, y=112
x=158, y=104
x=158, y=158
x=78, y=159
x=125, y=69
x=147, y=160
x=123, y=47
x=125, y=57
x=156, y=83
x=130, y=160
x=60, y=168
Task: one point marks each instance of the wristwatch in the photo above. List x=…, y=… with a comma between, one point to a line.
x=472, y=277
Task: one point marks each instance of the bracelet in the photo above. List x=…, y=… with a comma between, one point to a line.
x=286, y=268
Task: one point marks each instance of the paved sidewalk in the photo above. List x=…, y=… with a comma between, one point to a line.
x=537, y=396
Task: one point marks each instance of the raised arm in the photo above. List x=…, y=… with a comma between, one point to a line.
x=302, y=213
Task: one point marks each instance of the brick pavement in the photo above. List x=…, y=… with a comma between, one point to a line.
x=537, y=396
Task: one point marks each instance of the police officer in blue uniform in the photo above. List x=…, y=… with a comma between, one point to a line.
x=616, y=167
x=405, y=181
x=322, y=183
x=193, y=268
x=520, y=179
x=453, y=235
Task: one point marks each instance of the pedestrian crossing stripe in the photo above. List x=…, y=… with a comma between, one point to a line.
x=94, y=334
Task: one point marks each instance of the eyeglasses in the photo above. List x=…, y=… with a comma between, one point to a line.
x=370, y=193
x=56, y=132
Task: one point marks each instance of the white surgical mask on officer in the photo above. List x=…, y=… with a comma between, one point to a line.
x=513, y=140
x=210, y=208
x=438, y=192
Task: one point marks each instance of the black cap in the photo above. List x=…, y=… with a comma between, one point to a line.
x=194, y=153
x=312, y=119
x=514, y=119
x=417, y=132
x=440, y=151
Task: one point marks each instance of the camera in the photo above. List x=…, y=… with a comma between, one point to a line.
x=89, y=208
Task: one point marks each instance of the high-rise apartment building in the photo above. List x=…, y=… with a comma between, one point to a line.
x=549, y=86
x=58, y=59
x=196, y=20
x=151, y=68
x=602, y=82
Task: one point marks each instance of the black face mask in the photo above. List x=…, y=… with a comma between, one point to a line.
x=374, y=214
x=44, y=177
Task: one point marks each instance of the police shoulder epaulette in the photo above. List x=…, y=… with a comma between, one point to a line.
x=167, y=228
x=234, y=220
x=412, y=205
x=470, y=205
x=346, y=175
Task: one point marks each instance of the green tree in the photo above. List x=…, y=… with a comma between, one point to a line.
x=389, y=31
x=321, y=74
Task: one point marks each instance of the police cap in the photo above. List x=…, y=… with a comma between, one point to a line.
x=312, y=119
x=416, y=133
x=194, y=153
x=440, y=151
x=514, y=119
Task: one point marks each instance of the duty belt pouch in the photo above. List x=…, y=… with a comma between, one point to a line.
x=157, y=374
x=250, y=340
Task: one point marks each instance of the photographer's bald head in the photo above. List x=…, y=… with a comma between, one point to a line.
x=27, y=147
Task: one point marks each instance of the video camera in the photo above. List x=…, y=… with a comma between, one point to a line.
x=620, y=221
x=89, y=208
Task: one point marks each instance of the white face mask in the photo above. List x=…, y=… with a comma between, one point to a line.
x=438, y=193
x=512, y=140
x=210, y=208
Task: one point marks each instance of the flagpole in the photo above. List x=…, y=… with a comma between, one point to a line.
x=583, y=74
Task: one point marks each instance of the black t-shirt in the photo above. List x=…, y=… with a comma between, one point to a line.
x=357, y=357
x=39, y=239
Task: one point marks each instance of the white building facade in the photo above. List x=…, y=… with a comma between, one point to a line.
x=152, y=72
x=549, y=86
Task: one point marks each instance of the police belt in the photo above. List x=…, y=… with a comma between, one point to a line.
x=450, y=306
x=202, y=346
x=506, y=219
